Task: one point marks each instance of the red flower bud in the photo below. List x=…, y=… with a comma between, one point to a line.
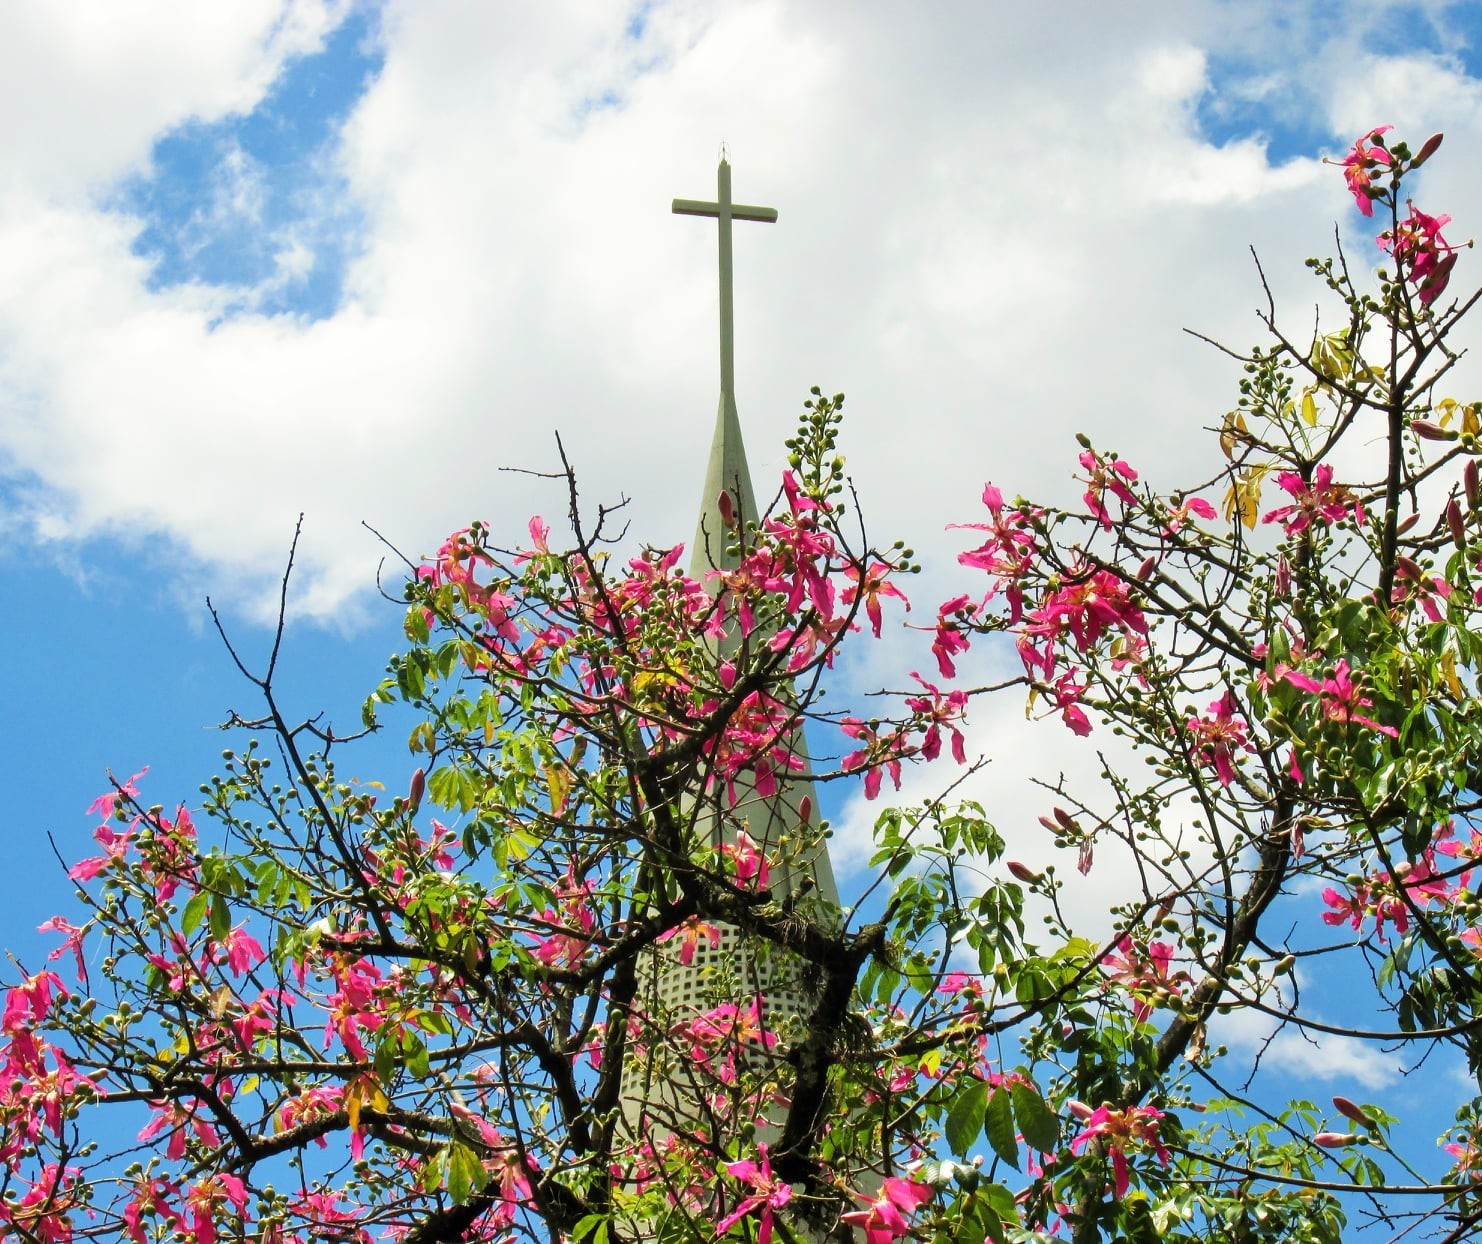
x=1454, y=521
x=1336, y=1140
x=1023, y=872
x=1429, y=431
x=418, y=789
x=1473, y=482
x=1348, y=1109
x=1428, y=150
x=727, y=508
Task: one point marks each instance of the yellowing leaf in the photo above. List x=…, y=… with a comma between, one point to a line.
x=1309, y=409
x=1445, y=408
x=361, y=1092
x=559, y=781
x=1331, y=357
x=1233, y=434
x=1243, y=497
x=1471, y=419
x=1448, y=672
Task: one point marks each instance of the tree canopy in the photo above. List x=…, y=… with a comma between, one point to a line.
x=304, y=1009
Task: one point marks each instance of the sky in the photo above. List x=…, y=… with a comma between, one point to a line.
x=361, y=262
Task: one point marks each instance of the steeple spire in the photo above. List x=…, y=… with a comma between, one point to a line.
x=771, y=818
x=727, y=471
x=682, y=986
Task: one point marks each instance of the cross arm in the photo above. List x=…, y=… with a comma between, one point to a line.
x=739, y=211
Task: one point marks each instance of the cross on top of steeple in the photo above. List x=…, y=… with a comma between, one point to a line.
x=724, y=212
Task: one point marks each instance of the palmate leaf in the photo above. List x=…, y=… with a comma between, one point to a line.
x=1037, y=1122
x=998, y=1122
x=965, y=1119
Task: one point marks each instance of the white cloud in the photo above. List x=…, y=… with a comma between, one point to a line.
x=993, y=226
x=98, y=82
x=1328, y=1057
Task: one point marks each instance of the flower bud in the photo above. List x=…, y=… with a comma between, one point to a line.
x=1470, y=476
x=1347, y=1108
x=1429, y=431
x=1337, y=1140
x=418, y=789
x=1428, y=150
x=1454, y=521
x=1023, y=872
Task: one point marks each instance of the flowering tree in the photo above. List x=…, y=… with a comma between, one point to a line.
x=336, y=1015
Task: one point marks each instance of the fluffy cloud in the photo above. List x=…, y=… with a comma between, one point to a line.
x=992, y=227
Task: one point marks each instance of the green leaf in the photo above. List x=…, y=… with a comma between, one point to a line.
x=1037, y=1122
x=593, y=1229
x=998, y=1122
x=991, y=1223
x=965, y=1118
x=221, y=918
x=195, y=912
x=1138, y=1220
x=414, y=1051
x=466, y=1174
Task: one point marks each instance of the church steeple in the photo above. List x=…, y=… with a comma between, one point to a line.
x=771, y=819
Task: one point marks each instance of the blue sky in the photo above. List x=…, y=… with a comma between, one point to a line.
x=350, y=260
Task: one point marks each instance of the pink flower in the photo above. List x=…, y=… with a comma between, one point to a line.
x=243, y=951
x=1117, y=1129
x=1468, y=1160
x=1068, y=692
x=310, y=1104
x=949, y=640
x=1145, y=977
x=1321, y=500
x=173, y=1119
x=106, y=804
x=574, y=925
x=1430, y=592
x=769, y=1194
x=751, y=862
x=1359, y=166
x=1218, y=736
x=1107, y=477
x=938, y=710
x=870, y=586
x=690, y=932
x=206, y=1198
x=152, y=1197
x=884, y=1219
x=1421, y=252
x=1007, y=553
x=73, y=942
x=1178, y=515
x=878, y=756
x=1338, y=696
